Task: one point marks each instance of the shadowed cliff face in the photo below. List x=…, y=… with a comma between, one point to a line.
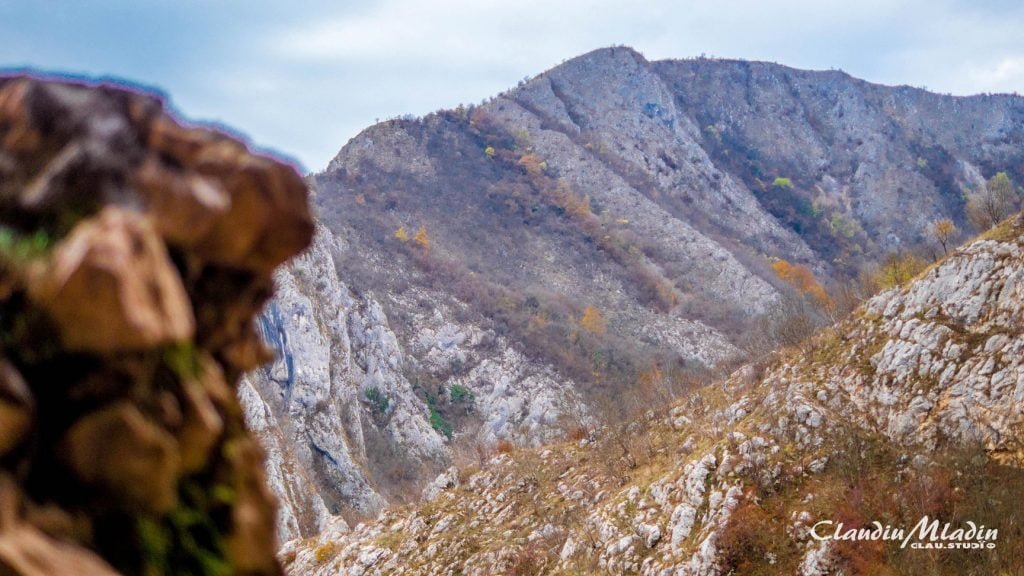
x=545, y=253
x=135, y=254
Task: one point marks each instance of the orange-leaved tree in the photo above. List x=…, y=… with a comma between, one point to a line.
x=592, y=321
x=803, y=280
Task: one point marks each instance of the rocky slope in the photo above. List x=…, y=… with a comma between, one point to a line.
x=909, y=408
x=511, y=270
x=135, y=254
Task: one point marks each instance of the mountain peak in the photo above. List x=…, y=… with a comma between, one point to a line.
x=609, y=53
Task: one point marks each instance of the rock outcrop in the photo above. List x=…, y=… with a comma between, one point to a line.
x=135, y=254
x=910, y=408
x=335, y=450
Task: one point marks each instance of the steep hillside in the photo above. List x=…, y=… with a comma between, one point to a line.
x=910, y=408
x=513, y=270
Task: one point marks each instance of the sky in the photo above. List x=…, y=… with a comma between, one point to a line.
x=301, y=78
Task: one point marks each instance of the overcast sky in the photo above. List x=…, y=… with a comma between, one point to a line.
x=302, y=77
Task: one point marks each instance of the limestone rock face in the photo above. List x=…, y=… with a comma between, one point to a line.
x=135, y=254
x=331, y=347
x=333, y=451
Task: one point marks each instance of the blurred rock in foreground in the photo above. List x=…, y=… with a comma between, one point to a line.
x=134, y=255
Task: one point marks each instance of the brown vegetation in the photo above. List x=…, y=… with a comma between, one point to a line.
x=803, y=280
x=592, y=321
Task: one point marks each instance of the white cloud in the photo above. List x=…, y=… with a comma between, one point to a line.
x=305, y=81
x=1006, y=75
x=405, y=56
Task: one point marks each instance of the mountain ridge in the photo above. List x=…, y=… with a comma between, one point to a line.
x=631, y=224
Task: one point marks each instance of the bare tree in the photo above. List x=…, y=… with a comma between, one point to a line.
x=992, y=203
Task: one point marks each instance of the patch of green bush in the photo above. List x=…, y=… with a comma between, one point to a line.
x=378, y=401
x=844, y=226
x=460, y=394
x=438, y=422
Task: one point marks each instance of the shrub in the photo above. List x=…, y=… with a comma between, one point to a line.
x=746, y=540
x=534, y=165
x=652, y=388
x=843, y=226
x=437, y=422
x=503, y=446
x=993, y=202
x=791, y=322
x=528, y=560
x=576, y=433
x=895, y=269
x=460, y=394
x=325, y=551
x=456, y=366
x=378, y=401
x=711, y=131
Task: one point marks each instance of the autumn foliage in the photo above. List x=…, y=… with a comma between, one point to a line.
x=897, y=268
x=592, y=321
x=576, y=206
x=652, y=386
x=803, y=280
x=421, y=237
x=944, y=231
x=533, y=164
